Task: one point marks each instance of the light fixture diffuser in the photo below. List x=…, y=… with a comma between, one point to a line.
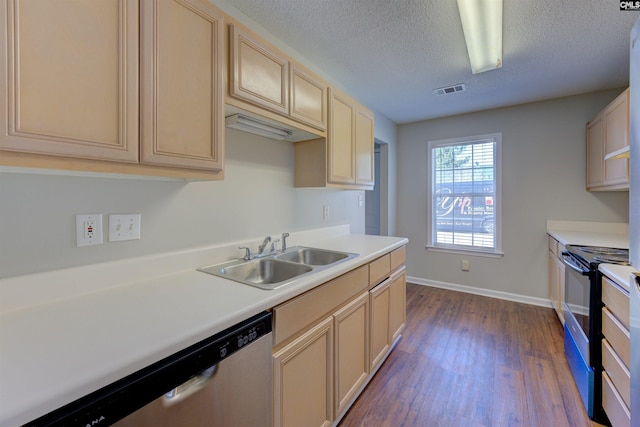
x=482, y=26
x=257, y=127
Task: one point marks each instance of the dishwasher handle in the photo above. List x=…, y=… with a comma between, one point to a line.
x=189, y=387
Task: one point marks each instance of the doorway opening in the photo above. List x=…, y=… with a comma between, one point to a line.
x=375, y=200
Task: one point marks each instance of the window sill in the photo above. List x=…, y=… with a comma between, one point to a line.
x=472, y=252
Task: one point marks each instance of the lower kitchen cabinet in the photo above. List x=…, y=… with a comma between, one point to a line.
x=303, y=379
x=324, y=341
x=388, y=314
x=556, y=276
x=616, y=355
x=397, y=304
x=351, y=349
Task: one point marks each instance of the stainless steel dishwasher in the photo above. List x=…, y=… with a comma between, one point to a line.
x=224, y=380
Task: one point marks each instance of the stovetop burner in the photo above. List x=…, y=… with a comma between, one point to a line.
x=604, y=251
x=610, y=259
x=594, y=255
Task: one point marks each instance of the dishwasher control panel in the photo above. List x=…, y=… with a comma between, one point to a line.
x=242, y=338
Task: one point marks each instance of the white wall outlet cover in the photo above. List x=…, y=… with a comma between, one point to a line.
x=124, y=227
x=88, y=229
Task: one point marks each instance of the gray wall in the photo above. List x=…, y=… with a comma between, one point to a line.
x=256, y=198
x=543, y=172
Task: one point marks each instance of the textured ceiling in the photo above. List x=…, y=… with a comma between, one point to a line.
x=391, y=54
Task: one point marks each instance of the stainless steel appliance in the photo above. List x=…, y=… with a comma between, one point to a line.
x=224, y=380
x=634, y=218
x=582, y=311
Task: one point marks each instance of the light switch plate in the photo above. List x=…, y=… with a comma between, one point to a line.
x=124, y=227
x=88, y=229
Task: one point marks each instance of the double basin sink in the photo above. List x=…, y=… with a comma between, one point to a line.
x=280, y=269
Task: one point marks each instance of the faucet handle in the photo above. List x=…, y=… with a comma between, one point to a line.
x=274, y=243
x=247, y=253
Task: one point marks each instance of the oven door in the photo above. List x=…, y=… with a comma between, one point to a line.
x=577, y=292
x=576, y=329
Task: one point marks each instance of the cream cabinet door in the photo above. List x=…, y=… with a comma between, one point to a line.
x=71, y=73
x=397, y=304
x=258, y=75
x=351, y=349
x=554, y=284
x=303, y=379
x=595, y=152
x=308, y=99
x=380, y=297
x=182, y=98
x=616, y=171
x=364, y=147
x=341, y=155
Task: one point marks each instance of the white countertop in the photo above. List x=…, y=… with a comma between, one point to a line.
x=621, y=274
x=610, y=235
x=56, y=349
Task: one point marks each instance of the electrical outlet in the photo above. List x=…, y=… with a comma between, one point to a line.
x=465, y=265
x=360, y=200
x=88, y=230
x=325, y=212
x=124, y=227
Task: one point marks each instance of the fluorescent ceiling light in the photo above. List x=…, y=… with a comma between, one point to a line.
x=257, y=127
x=482, y=26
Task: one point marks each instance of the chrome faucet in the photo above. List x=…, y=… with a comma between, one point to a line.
x=264, y=244
x=247, y=253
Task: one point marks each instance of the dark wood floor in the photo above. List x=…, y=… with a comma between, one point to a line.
x=467, y=360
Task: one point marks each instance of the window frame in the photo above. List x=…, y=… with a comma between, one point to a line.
x=463, y=249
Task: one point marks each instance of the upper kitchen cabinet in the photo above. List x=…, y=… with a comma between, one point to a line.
x=608, y=133
x=88, y=90
x=182, y=85
x=345, y=158
x=263, y=77
x=71, y=70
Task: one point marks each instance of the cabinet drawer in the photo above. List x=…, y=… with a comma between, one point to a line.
x=295, y=315
x=613, y=405
x=617, y=335
x=616, y=300
x=618, y=373
x=398, y=257
x=379, y=269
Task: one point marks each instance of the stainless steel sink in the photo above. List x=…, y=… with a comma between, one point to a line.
x=264, y=273
x=314, y=256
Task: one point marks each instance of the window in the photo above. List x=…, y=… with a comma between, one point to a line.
x=464, y=195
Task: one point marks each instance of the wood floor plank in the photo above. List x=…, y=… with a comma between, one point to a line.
x=468, y=360
x=510, y=407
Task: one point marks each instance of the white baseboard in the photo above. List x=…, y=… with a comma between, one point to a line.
x=542, y=302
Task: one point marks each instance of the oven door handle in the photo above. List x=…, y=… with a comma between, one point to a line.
x=570, y=262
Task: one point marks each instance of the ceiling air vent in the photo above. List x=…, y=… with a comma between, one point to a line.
x=450, y=89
